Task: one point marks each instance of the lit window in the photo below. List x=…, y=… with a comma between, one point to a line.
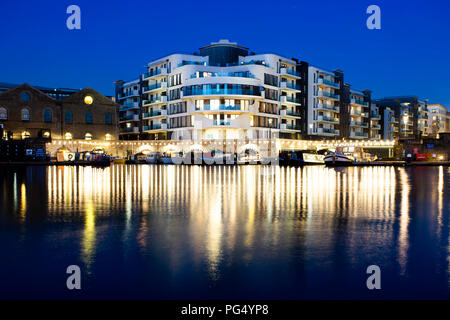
x=25, y=114
x=88, y=136
x=25, y=135
x=68, y=136
x=3, y=114
x=108, y=137
x=88, y=100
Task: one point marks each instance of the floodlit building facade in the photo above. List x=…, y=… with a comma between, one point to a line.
x=438, y=119
x=226, y=92
x=404, y=117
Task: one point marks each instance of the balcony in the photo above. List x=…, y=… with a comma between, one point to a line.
x=287, y=126
x=154, y=113
x=358, y=135
x=324, y=94
x=130, y=130
x=375, y=127
x=286, y=99
x=328, y=131
x=127, y=94
x=208, y=91
x=289, y=86
x=327, y=107
x=375, y=116
x=156, y=126
x=359, y=102
x=221, y=107
x=221, y=122
x=130, y=117
x=290, y=73
x=325, y=82
x=129, y=106
x=155, y=87
x=161, y=99
x=156, y=73
x=359, y=124
x=327, y=119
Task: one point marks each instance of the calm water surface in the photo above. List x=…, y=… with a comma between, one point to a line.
x=192, y=232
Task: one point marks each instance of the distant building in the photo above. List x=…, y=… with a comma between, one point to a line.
x=37, y=112
x=438, y=119
x=404, y=117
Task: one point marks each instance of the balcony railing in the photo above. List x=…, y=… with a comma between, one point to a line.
x=287, y=85
x=326, y=107
x=227, y=91
x=156, y=126
x=360, y=102
x=328, y=82
x=328, y=95
x=221, y=122
x=222, y=107
x=156, y=72
x=328, y=119
x=359, y=124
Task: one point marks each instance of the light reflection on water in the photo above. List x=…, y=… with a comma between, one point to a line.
x=314, y=227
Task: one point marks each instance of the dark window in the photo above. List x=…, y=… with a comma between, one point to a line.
x=47, y=115
x=68, y=116
x=25, y=97
x=88, y=117
x=108, y=118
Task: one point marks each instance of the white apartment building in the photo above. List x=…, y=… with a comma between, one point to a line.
x=223, y=93
x=438, y=119
x=323, y=103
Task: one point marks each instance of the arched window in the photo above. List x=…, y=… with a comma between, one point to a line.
x=25, y=114
x=68, y=136
x=88, y=117
x=25, y=135
x=3, y=114
x=47, y=115
x=108, y=137
x=108, y=118
x=68, y=116
x=88, y=136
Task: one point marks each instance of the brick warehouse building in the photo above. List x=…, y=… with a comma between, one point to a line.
x=28, y=112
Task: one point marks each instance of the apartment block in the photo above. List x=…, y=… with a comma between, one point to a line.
x=438, y=119
x=404, y=117
x=221, y=92
x=226, y=92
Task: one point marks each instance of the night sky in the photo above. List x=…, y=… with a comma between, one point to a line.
x=409, y=55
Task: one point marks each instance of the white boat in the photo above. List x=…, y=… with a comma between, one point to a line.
x=340, y=157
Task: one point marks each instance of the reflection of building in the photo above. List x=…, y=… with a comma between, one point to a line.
x=438, y=119
x=28, y=112
x=406, y=117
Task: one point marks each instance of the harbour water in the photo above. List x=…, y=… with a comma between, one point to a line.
x=206, y=232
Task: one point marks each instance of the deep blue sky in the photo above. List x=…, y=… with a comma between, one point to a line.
x=409, y=55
